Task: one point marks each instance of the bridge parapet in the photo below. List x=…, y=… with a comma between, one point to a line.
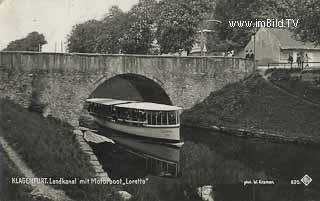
x=42, y=60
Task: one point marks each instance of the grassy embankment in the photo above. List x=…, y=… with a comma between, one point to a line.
x=17, y=192
x=254, y=104
x=50, y=149
x=307, y=90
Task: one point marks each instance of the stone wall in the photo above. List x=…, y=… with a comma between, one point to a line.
x=64, y=81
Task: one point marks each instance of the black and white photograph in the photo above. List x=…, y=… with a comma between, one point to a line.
x=159, y=100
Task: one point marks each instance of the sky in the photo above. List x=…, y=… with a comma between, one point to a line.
x=53, y=18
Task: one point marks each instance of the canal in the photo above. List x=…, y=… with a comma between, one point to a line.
x=212, y=159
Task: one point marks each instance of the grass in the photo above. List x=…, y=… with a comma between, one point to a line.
x=283, y=70
x=294, y=85
x=313, y=71
x=292, y=70
x=8, y=191
x=301, y=89
x=50, y=149
x=255, y=104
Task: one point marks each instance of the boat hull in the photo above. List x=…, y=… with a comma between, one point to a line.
x=171, y=134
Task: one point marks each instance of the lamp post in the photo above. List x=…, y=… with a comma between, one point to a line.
x=254, y=47
x=201, y=35
x=254, y=50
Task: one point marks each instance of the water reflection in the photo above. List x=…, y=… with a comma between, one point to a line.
x=214, y=159
x=131, y=157
x=160, y=160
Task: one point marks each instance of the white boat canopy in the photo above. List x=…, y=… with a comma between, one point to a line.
x=149, y=106
x=108, y=101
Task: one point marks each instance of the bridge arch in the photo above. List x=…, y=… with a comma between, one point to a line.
x=67, y=80
x=131, y=86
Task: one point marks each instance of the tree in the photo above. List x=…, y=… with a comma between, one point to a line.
x=227, y=38
x=141, y=34
x=115, y=25
x=84, y=37
x=178, y=23
x=170, y=24
x=29, y=43
x=96, y=36
x=308, y=13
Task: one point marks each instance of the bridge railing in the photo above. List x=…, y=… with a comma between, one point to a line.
x=303, y=66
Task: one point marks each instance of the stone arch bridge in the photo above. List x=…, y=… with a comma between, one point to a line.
x=62, y=81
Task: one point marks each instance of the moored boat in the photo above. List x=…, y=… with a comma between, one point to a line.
x=143, y=119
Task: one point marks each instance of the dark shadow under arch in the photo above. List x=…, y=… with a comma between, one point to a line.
x=132, y=87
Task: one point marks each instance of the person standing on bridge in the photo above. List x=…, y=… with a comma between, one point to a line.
x=290, y=60
x=247, y=54
x=306, y=59
x=251, y=55
x=299, y=60
x=302, y=60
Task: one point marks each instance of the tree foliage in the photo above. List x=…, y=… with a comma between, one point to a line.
x=30, y=43
x=308, y=13
x=140, y=36
x=227, y=37
x=179, y=22
x=84, y=37
x=169, y=24
x=173, y=25
x=99, y=36
x=118, y=32
x=115, y=25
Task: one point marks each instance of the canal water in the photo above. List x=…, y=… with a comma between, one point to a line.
x=212, y=159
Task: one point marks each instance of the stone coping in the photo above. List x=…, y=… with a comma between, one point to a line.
x=120, y=55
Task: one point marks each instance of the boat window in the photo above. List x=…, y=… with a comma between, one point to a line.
x=149, y=118
x=93, y=107
x=142, y=116
x=172, y=118
x=173, y=169
x=127, y=115
x=108, y=110
x=159, y=118
x=114, y=112
x=118, y=113
x=123, y=114
x=165, y=118
x=87, y=106
x=135, y=115
x=153, y=118
x=177, y=116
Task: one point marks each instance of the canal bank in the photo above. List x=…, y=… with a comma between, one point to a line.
x=254, y=108
x=50, y=149
x=272, y=137
x=84, y=146
x=39, y=191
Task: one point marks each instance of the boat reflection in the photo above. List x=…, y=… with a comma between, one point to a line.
x=136, y=154
x=160, y=160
